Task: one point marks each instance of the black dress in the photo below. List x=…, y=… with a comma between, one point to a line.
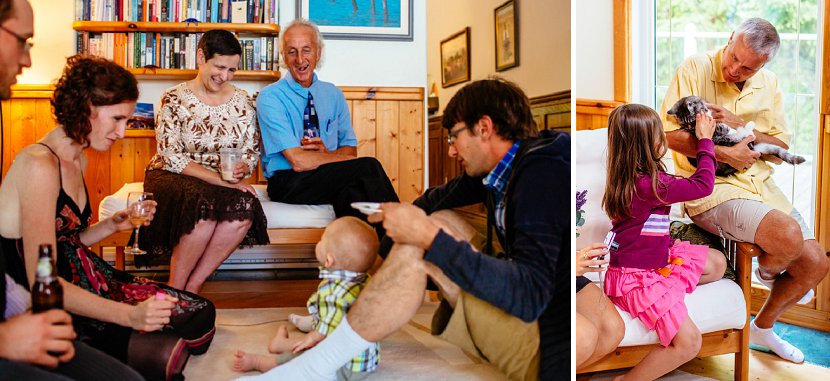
x=156, y=355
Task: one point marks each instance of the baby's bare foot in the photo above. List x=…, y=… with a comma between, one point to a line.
x=302, y=322
x=244, y=362
x=280, y=343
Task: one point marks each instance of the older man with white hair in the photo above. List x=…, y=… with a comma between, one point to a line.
x=309, y=146
x=747, y=206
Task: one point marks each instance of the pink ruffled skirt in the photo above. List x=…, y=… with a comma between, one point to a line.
x=656, y=297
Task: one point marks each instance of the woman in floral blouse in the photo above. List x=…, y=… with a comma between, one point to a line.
x=201, y=217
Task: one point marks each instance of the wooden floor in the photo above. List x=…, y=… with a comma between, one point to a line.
x=295, y=292
x=259, y=293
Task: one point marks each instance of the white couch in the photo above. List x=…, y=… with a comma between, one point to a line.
x=279, y=215
x=719, y=309
x=291, y=229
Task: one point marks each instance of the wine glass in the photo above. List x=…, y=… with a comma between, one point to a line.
x=139, y=212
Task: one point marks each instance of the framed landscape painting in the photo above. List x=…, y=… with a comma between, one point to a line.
x=360, y=19
x=507, y=36
x=455, y=58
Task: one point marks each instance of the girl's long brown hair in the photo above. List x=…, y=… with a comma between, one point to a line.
x=636, y=142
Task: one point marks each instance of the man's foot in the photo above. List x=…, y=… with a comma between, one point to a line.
x=767, y=338
x=280, y=343
x=769, y=282
x=303, y=323
x=244, y=362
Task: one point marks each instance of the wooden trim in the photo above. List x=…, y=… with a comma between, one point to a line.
x=294, y=236
x=186, y=74
x=622, y=50
x=823, y=173
x=592, y=114
x=358, y=93
x=135, y=133
x=167, y=27
x=32, y=91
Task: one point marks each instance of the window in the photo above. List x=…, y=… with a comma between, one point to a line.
x=665, y=32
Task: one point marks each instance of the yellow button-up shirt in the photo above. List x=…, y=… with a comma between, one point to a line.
x=759, y=101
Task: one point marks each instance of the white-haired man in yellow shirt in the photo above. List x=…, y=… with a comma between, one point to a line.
x=748, y=206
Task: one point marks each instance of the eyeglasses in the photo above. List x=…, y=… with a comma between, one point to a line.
x=25, y=43
x=452, y=134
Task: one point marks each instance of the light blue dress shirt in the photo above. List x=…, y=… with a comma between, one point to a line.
x=280, y=108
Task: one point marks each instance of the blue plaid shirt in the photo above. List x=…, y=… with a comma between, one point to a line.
x=496, y=182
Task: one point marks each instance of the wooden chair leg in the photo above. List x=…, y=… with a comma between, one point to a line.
x=119, y=257
x=744, y=252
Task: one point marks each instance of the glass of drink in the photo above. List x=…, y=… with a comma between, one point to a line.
x=228, y=157
x=139, y=211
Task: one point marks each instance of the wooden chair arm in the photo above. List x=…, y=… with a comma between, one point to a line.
x=749, y=249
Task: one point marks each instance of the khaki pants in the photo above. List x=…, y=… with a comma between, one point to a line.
x=497, y=337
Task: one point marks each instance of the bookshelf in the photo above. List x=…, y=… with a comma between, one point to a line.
x=270, y=31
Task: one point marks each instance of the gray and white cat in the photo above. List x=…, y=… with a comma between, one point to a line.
x=687, y=108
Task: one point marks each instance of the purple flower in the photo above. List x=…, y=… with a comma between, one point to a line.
x=581, y=199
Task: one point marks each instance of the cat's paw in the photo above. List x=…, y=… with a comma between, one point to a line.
x=749, y=126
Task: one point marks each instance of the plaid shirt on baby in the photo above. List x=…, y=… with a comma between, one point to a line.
x=496, y=182
x=335, y=295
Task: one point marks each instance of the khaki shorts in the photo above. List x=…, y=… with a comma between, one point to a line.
x=495, y=336
x=738, y=220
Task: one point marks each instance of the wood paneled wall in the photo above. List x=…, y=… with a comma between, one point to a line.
x=593, y=114
x=389, y=123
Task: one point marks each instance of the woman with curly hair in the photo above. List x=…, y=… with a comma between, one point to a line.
x=203, y=217
x=150, y=326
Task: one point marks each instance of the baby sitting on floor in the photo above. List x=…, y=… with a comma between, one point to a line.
x=346, y=251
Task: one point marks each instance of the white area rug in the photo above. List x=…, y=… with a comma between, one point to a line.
x=677, y=375
x=410, y=354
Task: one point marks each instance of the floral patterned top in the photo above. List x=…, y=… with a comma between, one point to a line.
x=188, y=130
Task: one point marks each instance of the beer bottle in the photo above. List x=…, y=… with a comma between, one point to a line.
x=47, y=292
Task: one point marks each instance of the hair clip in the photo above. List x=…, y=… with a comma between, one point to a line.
x=190, y=20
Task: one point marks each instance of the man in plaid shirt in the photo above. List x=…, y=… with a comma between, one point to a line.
x=347, y=249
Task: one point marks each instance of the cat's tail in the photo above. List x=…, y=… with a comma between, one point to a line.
x=785, y=155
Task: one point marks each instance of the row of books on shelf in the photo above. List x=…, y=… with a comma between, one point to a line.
x=172, y=50
x=236, y=11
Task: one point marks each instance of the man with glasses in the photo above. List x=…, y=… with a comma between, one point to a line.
x=748, y=206
x=511, y=308
x=38, y=346
x=15, y=33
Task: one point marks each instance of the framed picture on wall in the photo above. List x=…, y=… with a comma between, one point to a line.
x=360, y=20
x=455, y=58
x=507, y=36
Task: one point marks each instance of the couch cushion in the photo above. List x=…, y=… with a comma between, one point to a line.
x=713, y=307
x=279, y=215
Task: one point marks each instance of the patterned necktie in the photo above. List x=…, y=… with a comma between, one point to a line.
x=311, y=125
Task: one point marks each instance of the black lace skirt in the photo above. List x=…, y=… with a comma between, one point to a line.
x=185, y=200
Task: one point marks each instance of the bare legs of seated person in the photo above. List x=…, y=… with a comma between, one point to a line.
x=790, y=266
x=599, y=328
x=200, y=252
x=715, y=267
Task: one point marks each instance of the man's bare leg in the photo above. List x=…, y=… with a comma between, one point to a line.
x=780, y=236
x=805, y=264
x=398, y=286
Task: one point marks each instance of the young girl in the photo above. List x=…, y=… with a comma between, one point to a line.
x=649, y=275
